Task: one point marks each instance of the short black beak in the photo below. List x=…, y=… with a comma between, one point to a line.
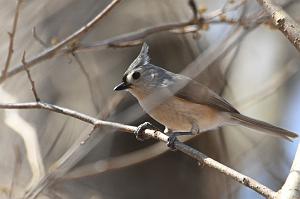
x=122, y=86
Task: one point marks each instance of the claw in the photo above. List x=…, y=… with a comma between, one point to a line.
x=173, y=138
x=139, y=133
x=171, y=142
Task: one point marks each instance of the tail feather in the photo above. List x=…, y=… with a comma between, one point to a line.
x=262, y=126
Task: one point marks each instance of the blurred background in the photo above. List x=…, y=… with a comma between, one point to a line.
x=252, y=65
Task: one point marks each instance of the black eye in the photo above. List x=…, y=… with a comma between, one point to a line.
x=136, y=75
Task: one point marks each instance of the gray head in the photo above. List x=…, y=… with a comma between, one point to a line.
x=144, y=76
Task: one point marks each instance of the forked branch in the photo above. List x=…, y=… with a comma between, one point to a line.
x=200, y=157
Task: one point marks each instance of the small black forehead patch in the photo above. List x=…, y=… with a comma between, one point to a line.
x=124, y=79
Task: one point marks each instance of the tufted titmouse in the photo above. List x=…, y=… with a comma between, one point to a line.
x=183, y=105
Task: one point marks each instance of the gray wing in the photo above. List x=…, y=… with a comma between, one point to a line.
x=197, y=93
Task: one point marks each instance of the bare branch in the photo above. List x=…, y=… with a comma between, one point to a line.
x=29, y=136
x=54, y=143
x=36, y=37
x=245, y=180
x=59, y=168
x=78, y=61
x=50, y=107
x=52, y=51
x=290, y=189
x=37, y=99
x=124, y=40
x=200, y=157
x=88, y=79
x=193, y=7
x=137, y=37
x=86, y=141
x=283, y=22
x=122, y=161
x=134, y=38
x=11, y=39
x=121, y=41
x=227, y=7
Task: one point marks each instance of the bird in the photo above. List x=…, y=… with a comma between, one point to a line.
x=183, y=105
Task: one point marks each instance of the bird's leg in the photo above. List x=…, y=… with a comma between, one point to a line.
x=169, y=132
x=173, y=138
x=171, y=142
x=139, y=133
x=180, y=133
x=173, y=135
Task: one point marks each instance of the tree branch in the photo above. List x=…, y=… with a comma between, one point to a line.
x=52, y=51
x=200, y=157
x=124, y=40
x=11, y=39
x=291, y=187
x=78, y=150
x=27, y=132
x=37, y=38
x=88, y=79
x=283, y=22
x=30, y=78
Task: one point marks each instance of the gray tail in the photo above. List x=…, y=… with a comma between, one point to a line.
x=262, y=126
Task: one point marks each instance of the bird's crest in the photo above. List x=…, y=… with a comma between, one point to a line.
x=142, y=59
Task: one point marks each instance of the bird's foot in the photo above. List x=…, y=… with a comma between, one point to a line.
x=171, y=142
x=140, y=131
x=173, y=138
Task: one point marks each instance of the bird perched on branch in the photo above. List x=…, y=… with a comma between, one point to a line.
x=182, y=105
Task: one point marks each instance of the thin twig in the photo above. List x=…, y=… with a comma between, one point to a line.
x=54, y=142
x=134, y=38
x=53, y=51
x=200, y=157
x=227, y=8
x=11, y=39
x=88, y=79
x=193, y=7
x=13, y=120
x=209, y=162
x=37, y=99
x=283, y=22
x=125, y=40
x=80, y=64
x=117, y=162
x=290, y=189
x=36, y=37
x=86, y=141
x=137, y=37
